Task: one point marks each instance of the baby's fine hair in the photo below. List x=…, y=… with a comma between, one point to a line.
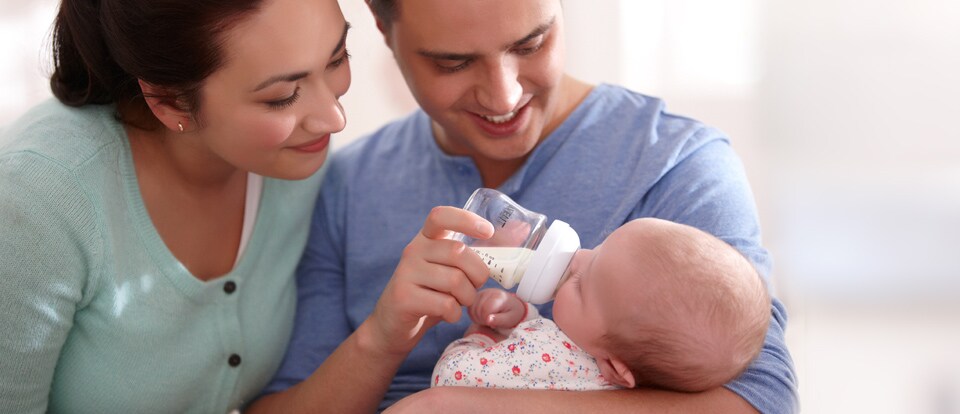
x=704, y=311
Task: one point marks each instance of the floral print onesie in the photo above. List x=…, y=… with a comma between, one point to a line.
x=535, y=355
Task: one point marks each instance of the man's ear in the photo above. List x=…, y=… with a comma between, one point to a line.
x=616, y=372
x=380, y=26
x=387, y=40
x=164, y=108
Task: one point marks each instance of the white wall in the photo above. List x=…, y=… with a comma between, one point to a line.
x=24, y=30
x=844, y=113
x=858, y=109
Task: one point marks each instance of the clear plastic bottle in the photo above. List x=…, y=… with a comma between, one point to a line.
x=523, y=251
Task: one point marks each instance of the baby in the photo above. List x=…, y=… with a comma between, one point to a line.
x=658, y=304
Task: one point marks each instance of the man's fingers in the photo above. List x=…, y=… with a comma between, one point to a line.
x=452, y=281
x=434, y=304
x=445, y=219
x=451, y=253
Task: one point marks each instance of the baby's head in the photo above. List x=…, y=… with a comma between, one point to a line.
x=664, y=305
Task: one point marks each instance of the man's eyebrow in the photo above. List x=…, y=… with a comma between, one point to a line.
x=293, y=77
x=446, y=55
x=539, y=30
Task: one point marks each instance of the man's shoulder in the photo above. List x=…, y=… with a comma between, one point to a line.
x=390, y=148
x=398, y=135
x=635, y=115
x=619, y=102
x=616, y=96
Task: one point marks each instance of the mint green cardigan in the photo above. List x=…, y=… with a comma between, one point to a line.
x=96, y=315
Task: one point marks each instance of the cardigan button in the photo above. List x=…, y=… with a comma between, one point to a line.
x=234, y=360
x=230, y=287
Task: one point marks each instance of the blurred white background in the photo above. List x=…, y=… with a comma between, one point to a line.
x=845, y=115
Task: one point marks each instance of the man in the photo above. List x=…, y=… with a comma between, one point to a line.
x=498, y=111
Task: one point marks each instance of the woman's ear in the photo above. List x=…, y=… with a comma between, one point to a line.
x=164, y=107
x=616, y=372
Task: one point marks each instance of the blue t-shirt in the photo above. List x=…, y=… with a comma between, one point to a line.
x=617, y=157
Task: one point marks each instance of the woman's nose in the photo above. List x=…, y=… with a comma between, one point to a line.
x=326, y=116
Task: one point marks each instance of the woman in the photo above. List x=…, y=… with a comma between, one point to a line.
x=152, y=215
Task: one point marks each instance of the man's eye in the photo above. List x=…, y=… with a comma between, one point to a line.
x=523, y=51
x=529, y=47
x=451, y=66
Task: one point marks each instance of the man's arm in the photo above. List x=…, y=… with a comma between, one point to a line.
x=708, y=189
x=352, y=380
x=434, y=278
x=637, y=401
x=754, y=385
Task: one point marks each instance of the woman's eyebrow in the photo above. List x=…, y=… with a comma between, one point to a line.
x=287, y=77
x=343, y=39
x=293, y=77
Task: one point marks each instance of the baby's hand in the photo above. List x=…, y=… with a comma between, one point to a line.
x=497, y=309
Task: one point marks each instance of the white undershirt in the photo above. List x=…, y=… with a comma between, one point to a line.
x=254, y=188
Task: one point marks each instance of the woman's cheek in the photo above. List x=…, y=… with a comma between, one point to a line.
x=272, y=132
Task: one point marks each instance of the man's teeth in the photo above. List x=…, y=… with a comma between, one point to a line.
x=499, y=119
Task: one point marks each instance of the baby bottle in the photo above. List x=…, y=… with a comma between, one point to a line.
x=523, y=251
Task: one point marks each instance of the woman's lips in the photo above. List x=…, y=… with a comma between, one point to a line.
x=315, y=145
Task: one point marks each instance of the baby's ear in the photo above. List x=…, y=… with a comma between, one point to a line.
x=616, y=372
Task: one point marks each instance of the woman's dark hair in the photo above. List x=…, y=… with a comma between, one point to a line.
x=102, y=47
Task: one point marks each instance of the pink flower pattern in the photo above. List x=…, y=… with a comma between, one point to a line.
x=535, y=355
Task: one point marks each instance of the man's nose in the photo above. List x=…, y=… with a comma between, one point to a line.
x=500, y=91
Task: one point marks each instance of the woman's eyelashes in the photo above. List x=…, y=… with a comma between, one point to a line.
x=344, y=57
x=285, y=102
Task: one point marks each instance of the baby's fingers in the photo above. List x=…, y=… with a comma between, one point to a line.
x=510, y=314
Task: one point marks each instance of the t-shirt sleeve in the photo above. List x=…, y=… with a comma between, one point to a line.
x=47, y=234
x=708, y=189
x=769, y=384
x=321, y=322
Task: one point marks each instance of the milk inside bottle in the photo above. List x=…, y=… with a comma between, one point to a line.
x=523, y=251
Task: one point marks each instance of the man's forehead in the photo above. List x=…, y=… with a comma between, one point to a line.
x=453, y=25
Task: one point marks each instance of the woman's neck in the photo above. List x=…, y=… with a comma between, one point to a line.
x=182, y=160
